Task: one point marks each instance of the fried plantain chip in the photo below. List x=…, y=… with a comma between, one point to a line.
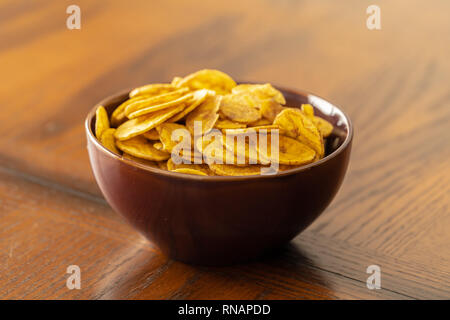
x=143, y=161
x=212, y=149
x=152, y=134
x=205, y=113
x=101, y=121
x=165, y=134
x=176, y=81
x=191, y=158
x=308, y=110
x=203, y=168
x=298, y=126
x=245, y=144
x=259, y=123
x=222, y=116
x=118, y=116
x=228, y=124
x=152, y=89
x=108, y=141
x=270, y=109
x=142, y=148
x=144, y=101
x=135, y=127
x=240, y=107
x=214, y=80
x=198, y=97
x=201, y=142
x=237, y=149
x=263, y=91
x=146, y=106
x=268, y=128
x=324, y=127
x=290, y=151
x=233, y=170
x=158, y=146
x=243, y=149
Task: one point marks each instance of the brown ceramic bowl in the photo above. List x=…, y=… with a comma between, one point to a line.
x=215, y=220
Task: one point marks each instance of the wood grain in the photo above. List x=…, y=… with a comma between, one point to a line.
x=44, y=230
x=393, y=209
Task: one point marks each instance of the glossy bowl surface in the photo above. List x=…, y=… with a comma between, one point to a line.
x=215, y=220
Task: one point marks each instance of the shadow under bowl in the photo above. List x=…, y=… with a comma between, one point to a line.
x=215, y=220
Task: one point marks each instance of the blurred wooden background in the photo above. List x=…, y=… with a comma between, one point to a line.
x=392, y=211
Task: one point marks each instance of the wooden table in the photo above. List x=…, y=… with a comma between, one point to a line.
x=392, y=210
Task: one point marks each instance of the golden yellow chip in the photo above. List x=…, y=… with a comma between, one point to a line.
x=267, y=128
x=135, y=127
x=118, y=116
x=165, y=134
x=108, y=141
x=322, y=125
x=228, y=124
x=208, y=79
x=176, y=81
x=156, y=103
x=143, y=161
x=142, y=148
x=233, y=170
x=203, y=168
x=198, y=97
x=298, y=126
x=308, y=110
x=143, y=101
x=243, y=150
x=201, y=142
x=237, y=149
x=245, y=144
x=222, y=116
x=263, y=91
x=192, y=157
x=101, y=121
x=270, y=109
x=259, y=123
x=152, y=134
x=158, y=146
x=152, y=89
x=290, y=151
x=241, y=107
x=205, y=115
x=211, y=147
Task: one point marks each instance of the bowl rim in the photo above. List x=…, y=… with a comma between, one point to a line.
x=184, y=176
